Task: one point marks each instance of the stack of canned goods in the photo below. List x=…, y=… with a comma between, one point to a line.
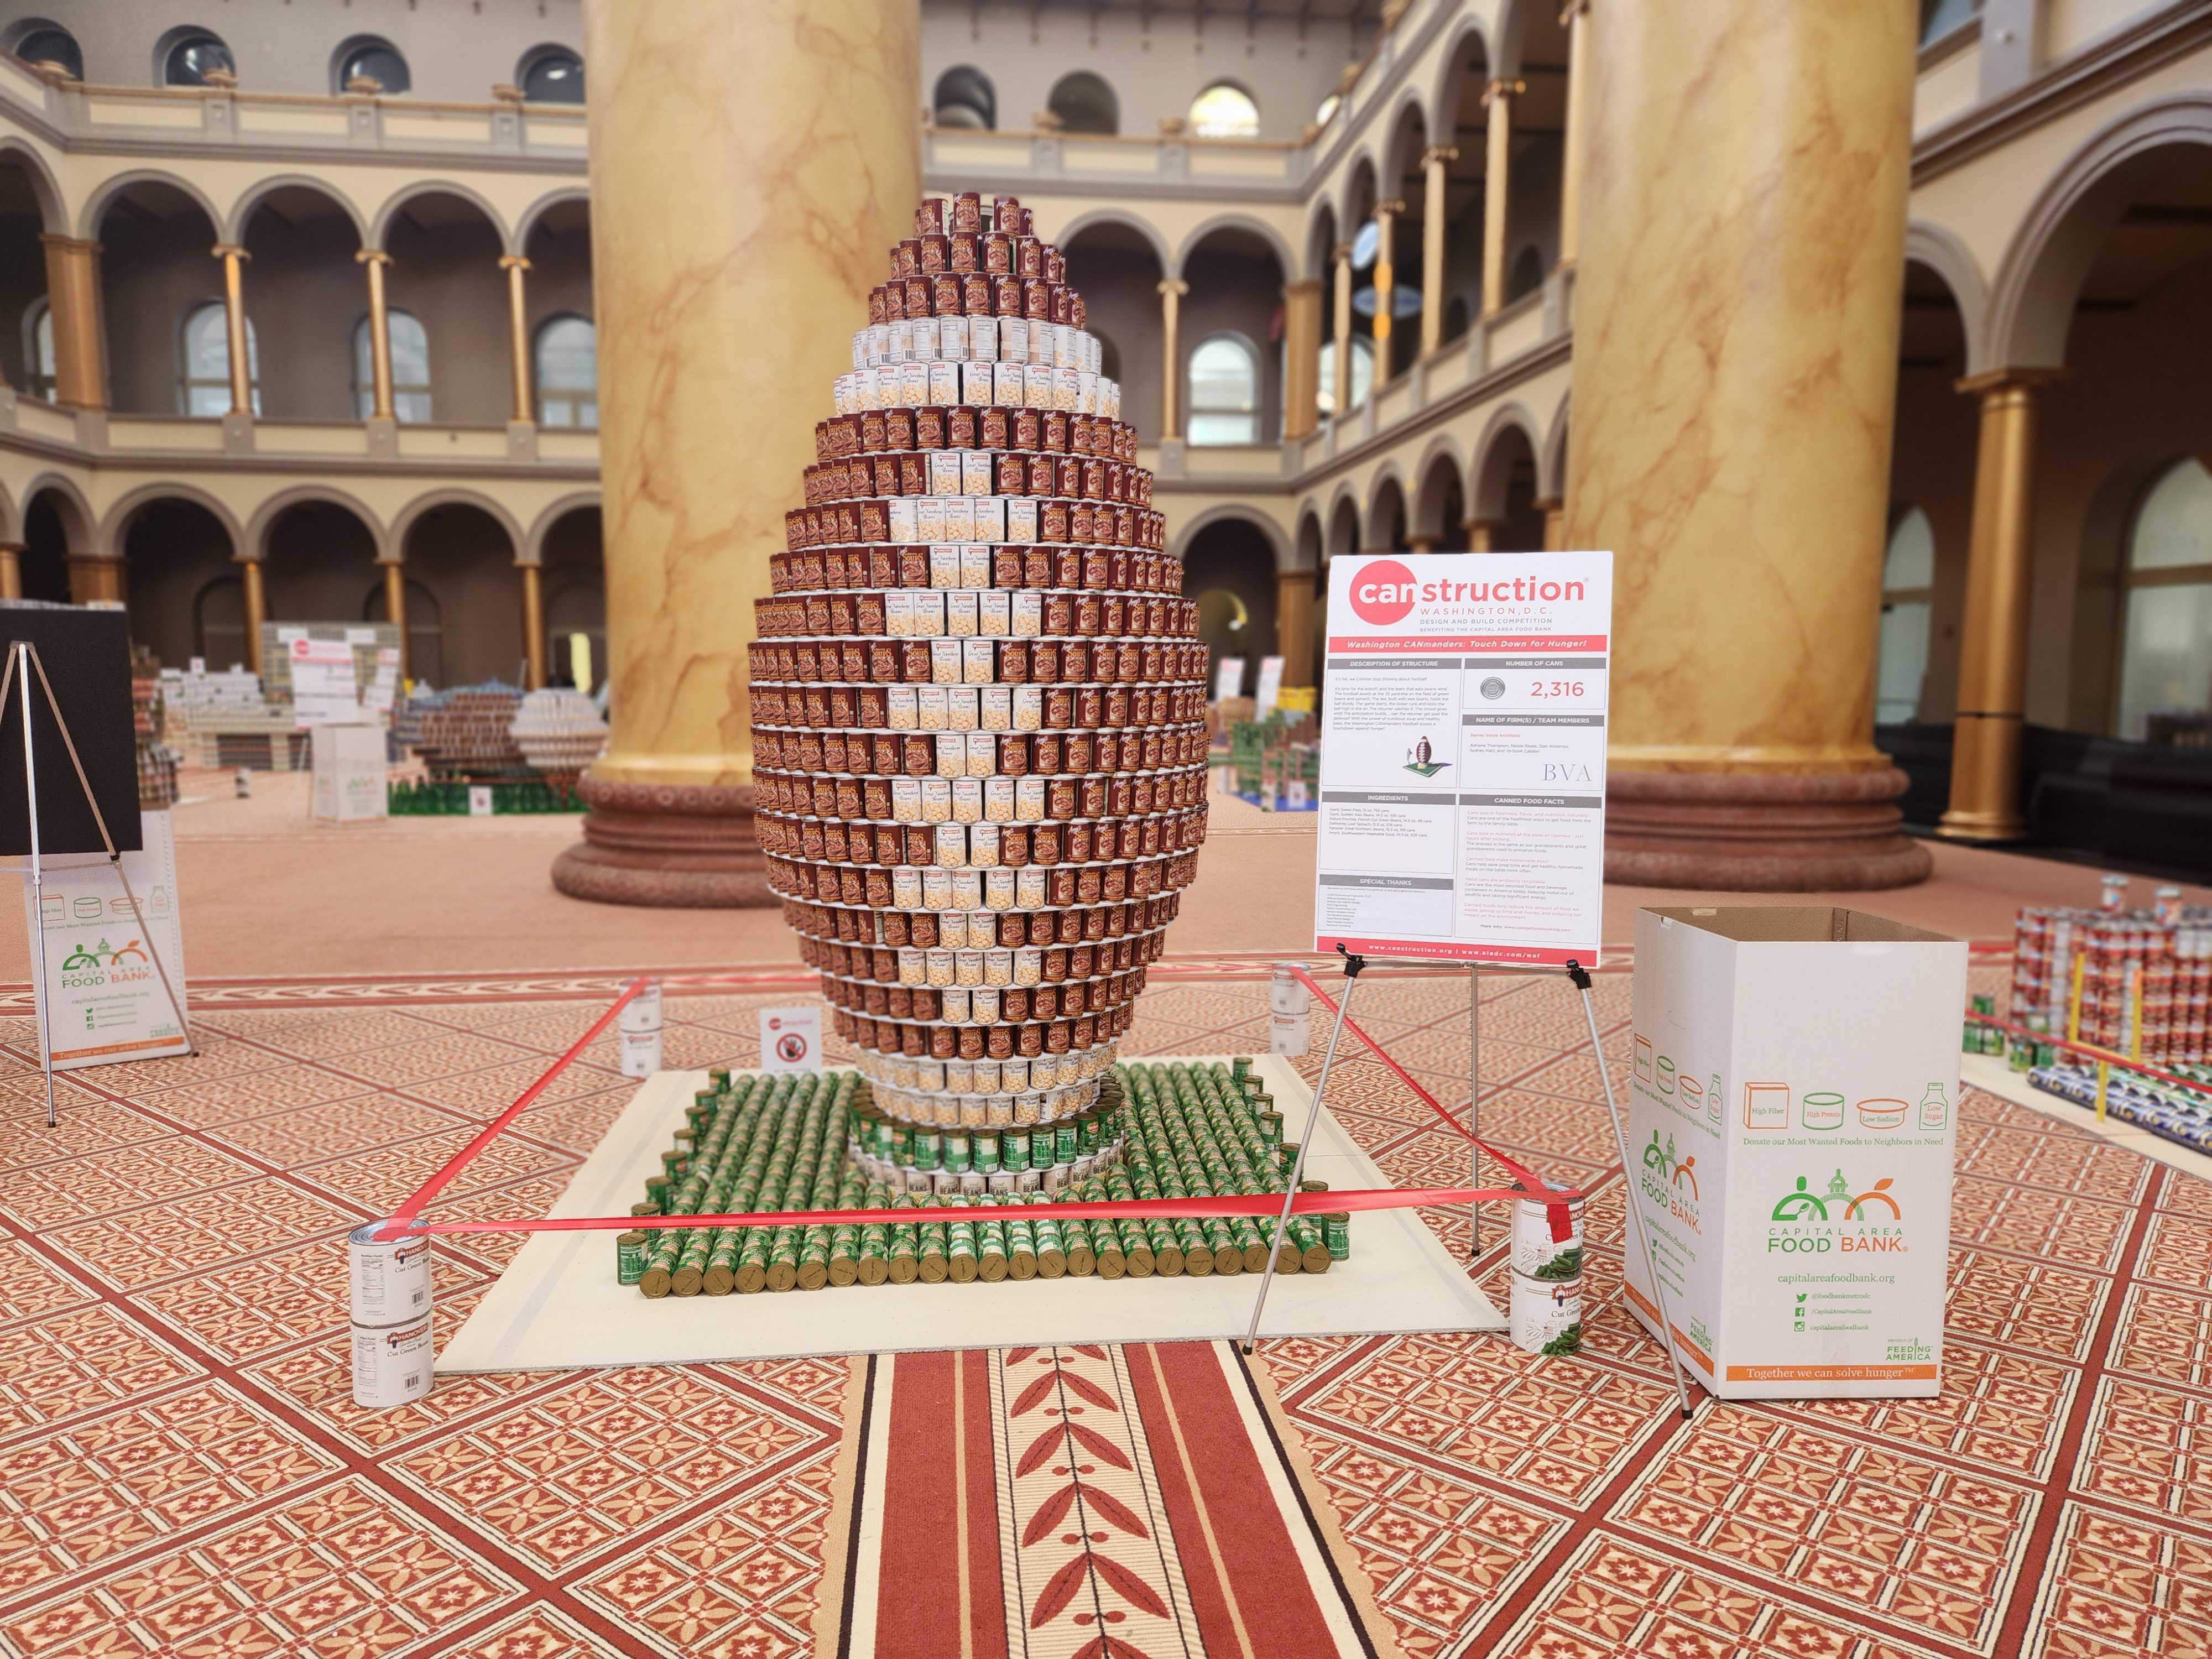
x=1544, y=1312
x=2171, y=1111
x=2146, y=975
x=807, y=1141
x=389, y=1292
x=978, y=694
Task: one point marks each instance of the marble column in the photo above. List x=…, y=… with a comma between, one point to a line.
x=11, y=570
x=1294, y=630
x=518, y=343
x=533, y=625
x=1171, y=293
x=1386, y=283
x=1341, y=392
x=235, y=340
x=1481, y=534
x=1732, y=436
x=1575, y=18
x=1985, y=742
x=1497, y=186
x=374, y=260
x=257, y=610
x=1435, y=164
x=1301, y=357
x=750, y=166
x=73, y=295
x=395, y=608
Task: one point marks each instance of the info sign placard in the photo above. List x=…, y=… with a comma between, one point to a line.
x=1462, y=761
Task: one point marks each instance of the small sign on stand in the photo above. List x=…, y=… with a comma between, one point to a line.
x=106, y=1000
x=791, y=1039
x=1228, y=677
x=349, y=763
x=1270, y=689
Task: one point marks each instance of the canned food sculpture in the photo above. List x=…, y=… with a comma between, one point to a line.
x=978, y=697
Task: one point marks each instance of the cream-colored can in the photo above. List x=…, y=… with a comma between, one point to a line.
x=1545, y=1316
x=391, y=1364
x=1535, y=1252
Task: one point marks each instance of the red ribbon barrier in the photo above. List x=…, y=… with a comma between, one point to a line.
x=2110, y=1056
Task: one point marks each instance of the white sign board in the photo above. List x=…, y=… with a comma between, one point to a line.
x=1228, y=677
x=1271, y=684
x=480, y=804
x=1462, y=760
x=791, y=1039
x=1792, y=1105
x=323, y=689
x=378, y=695
x=349, y=761
x=105, y=1001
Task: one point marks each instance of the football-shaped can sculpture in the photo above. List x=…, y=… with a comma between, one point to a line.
x=978, y=704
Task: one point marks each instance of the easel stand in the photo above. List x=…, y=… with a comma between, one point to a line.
x=22, y=663
x=1353, y=966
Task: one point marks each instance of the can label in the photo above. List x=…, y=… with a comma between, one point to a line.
x=1535, y=1252
x=388, y=1281
x=1545, y=1316
x=390, y=1363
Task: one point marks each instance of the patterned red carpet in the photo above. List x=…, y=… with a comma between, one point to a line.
x=182, y=1470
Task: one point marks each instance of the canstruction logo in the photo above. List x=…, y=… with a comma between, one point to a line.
x=1806, y=1221
x=1386, y=591
x=1670, y=1181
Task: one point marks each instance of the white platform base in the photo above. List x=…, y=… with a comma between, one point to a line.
x=558, y=1306
x=1989, y=1073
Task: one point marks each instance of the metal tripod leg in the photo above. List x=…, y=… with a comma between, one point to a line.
x=18, y=656
x=1628, y=1195
x=1352, y=966
x=1473, y=1106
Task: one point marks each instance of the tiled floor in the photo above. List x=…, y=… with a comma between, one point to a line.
x=182, y=1470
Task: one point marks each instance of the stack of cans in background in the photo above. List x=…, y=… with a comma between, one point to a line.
x=2158, y=960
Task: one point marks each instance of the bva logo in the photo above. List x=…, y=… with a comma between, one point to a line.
x=1382, y=593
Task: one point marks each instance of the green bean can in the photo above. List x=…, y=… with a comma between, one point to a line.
x=630, y=1256
x=1336, y=1233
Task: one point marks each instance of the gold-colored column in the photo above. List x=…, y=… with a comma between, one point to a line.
x=1341, y=370
x=1575, y=19
x=1436, y=163
x=1421, y=543
x=73, y=295
x=1481, y=534
x=374, y=260
x=1985, y=740
x=257, y=612
x=95, y=580
x=1171, y=293
x=1294, y=625
x=1555, y=526
x=1386, y=284
x=723, y=138
x=1496, y=176
x=518, y=321
x=1301, y=357
x=11, y=570
x=234, y=259
x=1747, y=541
x=395, y=607
x=533, y=625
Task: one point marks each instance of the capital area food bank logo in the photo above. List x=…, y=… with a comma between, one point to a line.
x=1382, y=592
x=1804, y=1221
x=1671, y=1181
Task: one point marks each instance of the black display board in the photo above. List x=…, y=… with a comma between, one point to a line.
x=87, y=657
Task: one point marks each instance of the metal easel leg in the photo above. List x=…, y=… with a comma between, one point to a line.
x=114, y=857
x=1581, y=977
x=1473, y=1106
x=1352, y=964
x=20, y=672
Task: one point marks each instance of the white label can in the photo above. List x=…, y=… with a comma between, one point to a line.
x=1288, y=1035
x=391, y=1364
x=640, y=1032
x=1546, y=1314
x=388, y=1280
x=1287, y=994
x=1535, y=1252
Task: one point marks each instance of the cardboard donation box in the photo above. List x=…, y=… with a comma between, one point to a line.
x=348, y=773
x=1792, y=1108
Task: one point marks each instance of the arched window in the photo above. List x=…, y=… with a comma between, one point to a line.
x=38, y=349
x=204, y=386
x=1908, y=580
x=965, y=98
x=1362, y=373
x=2165, y=651
x=50, y=43
x=189, y=54
x=555, y=76
x=1225, y=110
x=1939, y=17
x=1528, y=274
x=410, y=367
x=568, y=373
x=1224, y=392
x=378, y=60
x=1085, y=103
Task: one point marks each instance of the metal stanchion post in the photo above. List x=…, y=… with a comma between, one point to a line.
x=1582, y=979
x=1352, y=964
x=1473, y=1106
x=19, y=669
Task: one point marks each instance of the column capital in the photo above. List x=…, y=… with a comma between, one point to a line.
x=372, y=256
x=1341, y=254
x=1503, y=89
x=2006, y=379
x=1435, y=152
x=14, y=547
x=1548, y=503
x=247, y=555
x=1304, y=285
x=1174, y=287
x=1572, y=9
x=1393, y=207
x=230, y=251
x=68, y=244
x=513, y=262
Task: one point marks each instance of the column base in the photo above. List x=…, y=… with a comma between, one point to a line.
x=677, y=845
x=1755, y=833
x=1988, y=829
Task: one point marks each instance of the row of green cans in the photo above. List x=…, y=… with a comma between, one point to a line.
x=983, y=1151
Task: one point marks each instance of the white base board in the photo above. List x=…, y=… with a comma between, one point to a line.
x=1990, y=1074
x=558, y=1306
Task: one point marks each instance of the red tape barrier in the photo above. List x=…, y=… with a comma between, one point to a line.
x=2073, y=1046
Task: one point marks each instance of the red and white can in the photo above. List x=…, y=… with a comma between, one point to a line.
x=391, y=1364
x=638, y=1032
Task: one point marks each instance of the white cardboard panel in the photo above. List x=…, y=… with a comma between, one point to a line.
x=558, y=1306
